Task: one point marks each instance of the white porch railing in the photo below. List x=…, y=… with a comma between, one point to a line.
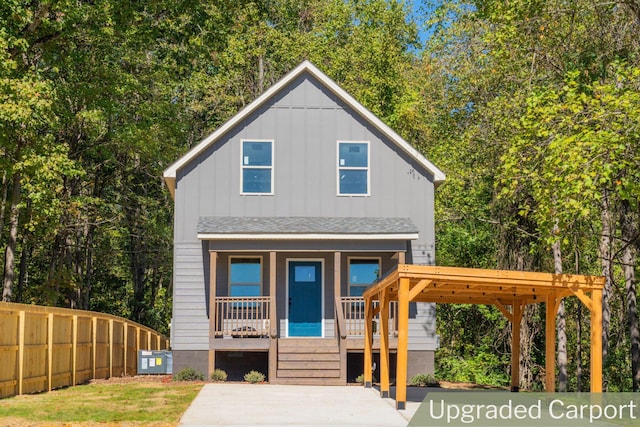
x=353, y=310
x=241, y=317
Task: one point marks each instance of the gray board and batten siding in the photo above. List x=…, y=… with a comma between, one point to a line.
x=305, y=120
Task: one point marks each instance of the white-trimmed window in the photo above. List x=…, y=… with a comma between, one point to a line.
x=353, y=168
x=245, y=276
x=257, y=167
x=362, y=273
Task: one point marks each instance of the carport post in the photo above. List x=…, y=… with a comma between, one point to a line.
x=596, y=341
x=516, y=318
x=368, y=343
x=550, y=343
x=384, y=343
x=403, y=342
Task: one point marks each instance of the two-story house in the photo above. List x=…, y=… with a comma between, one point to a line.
x=283, y=216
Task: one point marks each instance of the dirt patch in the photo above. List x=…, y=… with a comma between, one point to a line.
x=469, y=386
x=134, y=379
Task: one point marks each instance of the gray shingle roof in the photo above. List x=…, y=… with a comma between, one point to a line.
x=305, y=225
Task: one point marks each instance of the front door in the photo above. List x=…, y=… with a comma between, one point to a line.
x=305, y=299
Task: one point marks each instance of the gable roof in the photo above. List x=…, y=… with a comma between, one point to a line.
x=305, y=67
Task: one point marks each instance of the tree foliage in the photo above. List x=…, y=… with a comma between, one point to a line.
x=530, y=107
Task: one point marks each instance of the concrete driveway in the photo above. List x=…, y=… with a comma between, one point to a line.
x=290, y=405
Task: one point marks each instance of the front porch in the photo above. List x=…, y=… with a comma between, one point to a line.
x=240, y=324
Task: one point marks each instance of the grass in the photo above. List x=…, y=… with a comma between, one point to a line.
x=142, y=403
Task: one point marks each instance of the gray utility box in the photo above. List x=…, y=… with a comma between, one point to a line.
x=155, y=362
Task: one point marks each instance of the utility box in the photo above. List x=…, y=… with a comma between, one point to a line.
x=155, y=362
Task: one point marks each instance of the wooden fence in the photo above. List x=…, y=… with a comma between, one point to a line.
x=42, y=348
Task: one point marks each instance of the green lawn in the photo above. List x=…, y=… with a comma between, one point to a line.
x=157, y=403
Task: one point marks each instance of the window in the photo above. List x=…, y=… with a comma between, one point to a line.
x=362, y=273
x=257, y=167
x=245, y=277
x=353, y=168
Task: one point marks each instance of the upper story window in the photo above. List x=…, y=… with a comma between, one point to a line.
x=245, y=277
x=353, y=168
x=362, y=273
x=257, y=167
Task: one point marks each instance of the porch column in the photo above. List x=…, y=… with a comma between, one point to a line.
x=384, y=343
x=596, y=341
x=368, y=343
x=403, y=343
x=213, y=265
x=273, y=318
x=337, y=275
x=337, y=293
x=550, y=343
x=516, y=318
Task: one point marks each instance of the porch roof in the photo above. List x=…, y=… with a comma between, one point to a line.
x=292, y=228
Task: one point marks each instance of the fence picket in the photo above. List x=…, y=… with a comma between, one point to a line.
x=43, y=348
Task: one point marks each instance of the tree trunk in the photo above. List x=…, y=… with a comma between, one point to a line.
x=24, y=259
x=607, y=272
x=10, y=252
x=561, y=324
x=629, y=237
x=3, y=202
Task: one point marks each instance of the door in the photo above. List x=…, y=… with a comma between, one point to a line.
x=305, y=299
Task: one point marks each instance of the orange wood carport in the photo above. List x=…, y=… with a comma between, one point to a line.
x=509, y=291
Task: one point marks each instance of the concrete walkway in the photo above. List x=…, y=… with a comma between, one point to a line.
x=288, y=405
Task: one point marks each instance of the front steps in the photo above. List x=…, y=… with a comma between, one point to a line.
x=308, y=361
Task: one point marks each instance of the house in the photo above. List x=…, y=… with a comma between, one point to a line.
x=283, y=216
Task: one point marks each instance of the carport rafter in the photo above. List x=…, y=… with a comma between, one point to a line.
x=502, y=288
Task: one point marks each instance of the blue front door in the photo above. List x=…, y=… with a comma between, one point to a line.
x=305, y=299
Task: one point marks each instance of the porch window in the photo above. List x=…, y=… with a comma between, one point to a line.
x=257, y=167
x=362, y=273
x=245, y=277
x=353, y=168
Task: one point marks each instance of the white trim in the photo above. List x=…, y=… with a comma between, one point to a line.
x=286, y=304
x=243, y=166
x=171, y=172
x=349, y=258
x=280, y=236
x=259, y=257
x=367, y=168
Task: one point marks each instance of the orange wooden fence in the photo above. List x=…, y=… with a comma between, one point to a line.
x=42, y=348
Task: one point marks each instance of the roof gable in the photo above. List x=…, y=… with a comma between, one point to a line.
x=305, y=67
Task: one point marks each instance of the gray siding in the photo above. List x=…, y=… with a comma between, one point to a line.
x=305, y=121
x=190, y=326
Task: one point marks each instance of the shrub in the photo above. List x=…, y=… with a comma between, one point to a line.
x=188, y=374
x=424, y=380
x=360, y=379
x=254, y=377
x=219, y=375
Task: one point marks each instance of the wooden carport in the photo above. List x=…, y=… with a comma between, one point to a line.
x=509, y=291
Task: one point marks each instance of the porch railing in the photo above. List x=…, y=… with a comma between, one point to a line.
x=353, y=310
x=240, y=317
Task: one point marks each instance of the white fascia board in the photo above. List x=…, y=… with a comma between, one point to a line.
x=311, y=236
x=170, y=173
